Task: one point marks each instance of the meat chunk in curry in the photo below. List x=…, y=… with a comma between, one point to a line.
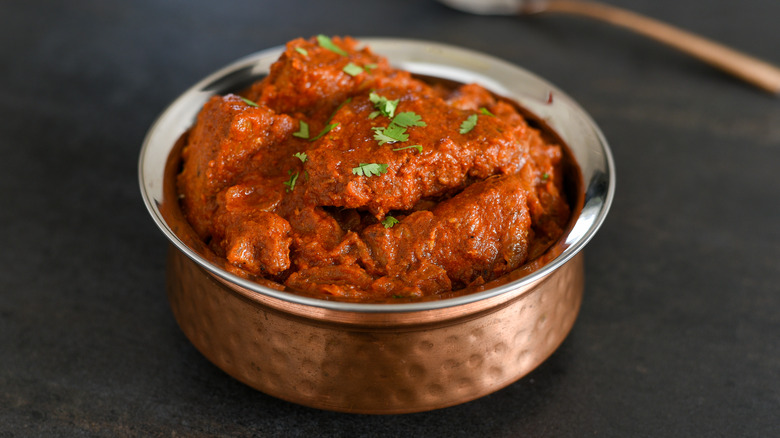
x=342, y=177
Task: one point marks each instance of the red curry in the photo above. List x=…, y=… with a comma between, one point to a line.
x=338, y=175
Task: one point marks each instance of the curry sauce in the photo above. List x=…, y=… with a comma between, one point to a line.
x=340, y=176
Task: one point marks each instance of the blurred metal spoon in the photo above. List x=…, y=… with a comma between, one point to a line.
x=752, y=70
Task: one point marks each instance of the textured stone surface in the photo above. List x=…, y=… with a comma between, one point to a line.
x=677, y=334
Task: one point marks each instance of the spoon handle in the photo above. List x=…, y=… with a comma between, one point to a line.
x=754, y=71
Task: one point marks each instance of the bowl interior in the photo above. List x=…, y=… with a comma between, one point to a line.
x=547, y=103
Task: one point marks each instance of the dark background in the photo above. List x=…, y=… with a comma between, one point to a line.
x=679, y=333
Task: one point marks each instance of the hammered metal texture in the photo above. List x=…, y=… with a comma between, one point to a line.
x=374, y=369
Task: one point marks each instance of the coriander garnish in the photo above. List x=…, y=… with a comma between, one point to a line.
x=390, y=134
x=468, y=124
x=485, y=111
x=416, y=146
x=301, y=156
x=249, y=102
x=407, y=119
x=389, y=221
x=303, y=130
x=370, y=169
x=291, y=182
x=326, y=43
x=384, y=106
x=302, y=51
x=324, y=131
x=352, y=69
x=396, y=130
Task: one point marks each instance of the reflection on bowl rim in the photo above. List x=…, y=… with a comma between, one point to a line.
x=420, y=57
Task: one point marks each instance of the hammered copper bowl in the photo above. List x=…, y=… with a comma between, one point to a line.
x=382, y=358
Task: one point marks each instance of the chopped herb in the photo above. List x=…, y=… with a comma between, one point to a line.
x=391, y=134
x=545, y=176
x=249, y=102
x=324, y=131
x=370, y=67
x=468, y=124
x=396, y=130
x=291, y=182
x=416, y=146
x=385, y=107
x=302, y=51
x=389, y=221
x=352, y=69
x=408, y=118
x=303, y=130
x=398, y=296
x=301, y=156
x=485, y=111
x=326, y=43
x=370, y=169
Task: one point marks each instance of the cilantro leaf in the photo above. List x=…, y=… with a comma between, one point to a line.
x=468, y=124
x=302, y=51
x=291, y=182
x=391, y=134
x=485, y=111
x=301, y=156
x=370, y=169
x=416, y=146
x=326, y=43
x=249, y=102
x=370, y=67
x=324, y=131
x=352, y=69
x=303, y=130
x=385, y=106
x=408, y=118
x=389, y=221
x=396, y=130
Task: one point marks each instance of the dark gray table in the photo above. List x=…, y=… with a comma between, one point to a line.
x=679, y=333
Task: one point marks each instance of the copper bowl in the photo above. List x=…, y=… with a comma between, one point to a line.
x=382, y=358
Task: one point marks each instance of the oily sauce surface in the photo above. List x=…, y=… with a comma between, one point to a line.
x=341, y=177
